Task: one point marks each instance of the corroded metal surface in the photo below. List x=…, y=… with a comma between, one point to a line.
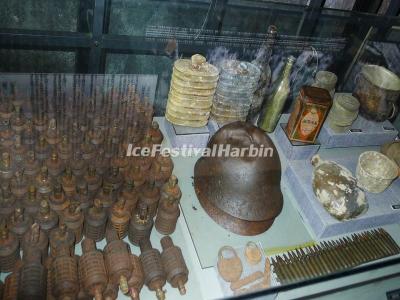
x=242, y=194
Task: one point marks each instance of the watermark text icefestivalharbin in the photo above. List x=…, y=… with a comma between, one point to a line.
x=226, y=150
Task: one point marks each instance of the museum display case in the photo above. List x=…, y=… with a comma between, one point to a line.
x=199, y=149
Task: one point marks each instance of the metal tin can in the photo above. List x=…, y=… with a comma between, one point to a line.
x=309, y=113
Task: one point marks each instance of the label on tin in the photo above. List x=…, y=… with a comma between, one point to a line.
x=309, y=122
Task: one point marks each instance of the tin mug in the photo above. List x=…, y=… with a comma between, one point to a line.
x=375, y=171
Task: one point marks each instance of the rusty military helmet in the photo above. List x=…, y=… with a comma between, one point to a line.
x=242, y=194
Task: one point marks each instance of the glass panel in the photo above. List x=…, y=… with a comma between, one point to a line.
x=134, y=17
x=255, y=16
x=144, y=64
x=40, y=15
x=36, y=61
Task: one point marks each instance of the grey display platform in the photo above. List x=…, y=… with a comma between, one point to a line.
x=181, y=136
x=298, y=176
x=293, y=150
x=362, y=133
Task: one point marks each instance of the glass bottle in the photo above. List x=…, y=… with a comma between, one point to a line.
x=277, y=99
x=262, y=61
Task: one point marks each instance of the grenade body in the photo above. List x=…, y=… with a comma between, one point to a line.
x=33, y=278
x=155, y=133
x=48, y=264
x=167, y=216
x=19, y=186
x=42, y=149
x=31, y=203
x=156, y=175
x=139, y=228
x=119, y=218
x=150, y=196
x=20, y=223
x=68, y=182
x=136, y=176
x=114, y=180
x=46, y=218
x=78, y=166
x=73, y=219
x=95, y=222
x=131, y=196
x=118, y=262
x=93, y=181
x=174, y=265
x=36, y=238
x=154, y=275
x=65, y=276
x=136, y=281
x=31, y=167
x=57, y=201
x=7, y=204
x=9, y=250
x=83, y=198
x=92, y=269
x=60, y=238
x=106, y=197
x=167, y=166
x=54, y=166
x=171, y=189
x=43, y=184
x=64, y=149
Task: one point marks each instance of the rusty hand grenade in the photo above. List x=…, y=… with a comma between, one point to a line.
x=130, y=194
x=136, y=281
x=65, y=275
x=118, y=262
x=36, y=238
x=154, y=274
x=93, y=181
x=73, y=219
x=19, y=185
x=171, y=189
x=92, y=270
x=33, y=277
x=9, y=248
x=167, y=165
x=44, y=185
x=68, y=182
x=20, y=223
x=167, y=216
x=141, y=225
x=95, y=222
x=174, y=265
x=46, y=217
x=120, y=217
x=31, y=203
x=150, y=195
x=7, y=203
x=60, y=238
x=57, y=201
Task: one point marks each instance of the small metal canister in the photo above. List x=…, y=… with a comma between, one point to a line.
x=309, y=113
